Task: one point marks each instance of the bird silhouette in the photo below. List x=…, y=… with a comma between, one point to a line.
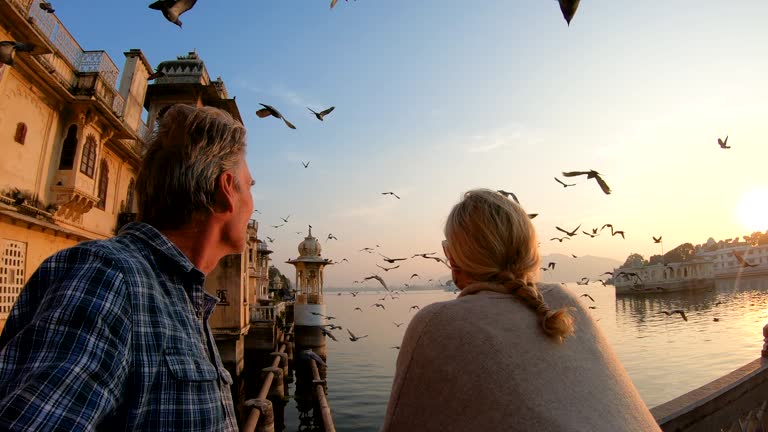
x=560, y=239
x=591, y=174
x=331, y=237
x=656, y=240
x=574, y=256
x=270, y=239
x=591, y=235
x=613, y=233
x=397, y=324
x=379, y=305
x=414, y=275
x=358, y=309
x=391, y=193
x=277, y=226
x=285, y=219
x=742, y=262
x=322, y=113
x=172, y=9
x=583, y=281
x=386, y=269
x=8, y=50
x=328, y=333
x=354, y=293
x=306, y=165
x=551, y=265
x=397, y=347
x=354, y=338
x=588, y=296
x=272, y=111
x=47, y=6
x=508, y=195
x=723, y=144
x=570, y=233
x=601, y=281
x=155, y=75
x=424, y=255
x=366, y=249
x=414, y=307
x=328, y=317
x=568, y=8
x=676, y=311
x=392, y=260
x=565, y=185
x=378, y=278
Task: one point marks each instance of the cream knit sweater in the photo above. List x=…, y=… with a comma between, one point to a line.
x=482, y=363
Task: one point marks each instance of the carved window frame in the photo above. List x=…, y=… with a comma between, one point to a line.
x=88, y=159
x=21, y=133
x=103, y=184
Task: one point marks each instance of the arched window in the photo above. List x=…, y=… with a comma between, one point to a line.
x=68, y=149
x=103, y=184
x=88, y=160
x=21, y=133
x=129, y=196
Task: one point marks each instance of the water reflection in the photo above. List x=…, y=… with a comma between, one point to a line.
x=665, y=356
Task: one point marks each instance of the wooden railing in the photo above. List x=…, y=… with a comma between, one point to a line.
x=325, y=409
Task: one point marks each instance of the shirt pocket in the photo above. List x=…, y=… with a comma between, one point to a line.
x=185, y=366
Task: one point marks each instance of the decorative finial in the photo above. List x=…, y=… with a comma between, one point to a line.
x=310, y=231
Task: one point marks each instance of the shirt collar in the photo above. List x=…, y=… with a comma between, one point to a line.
x=160, y=244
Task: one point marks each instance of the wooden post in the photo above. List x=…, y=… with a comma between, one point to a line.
x=284, y=357
x=261, y=409
x=276, y=390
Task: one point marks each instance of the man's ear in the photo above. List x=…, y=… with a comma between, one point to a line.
x=225, y=192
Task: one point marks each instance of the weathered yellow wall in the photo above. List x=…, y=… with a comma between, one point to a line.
x=40, y=245
x=229, y=276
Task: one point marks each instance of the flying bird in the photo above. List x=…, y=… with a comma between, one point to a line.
x=742, y=262
x=328, y=333
x=272, y=111
x=584, y=281
x=397, y=347
x=47, y=6
x=424, y=255
x=656, y=240
x=277, y=226
x=322, y=113
x=354, y=338
x=397, y=324
x=392, y=260
x=414, y=307
x=332, y=237
x=378, y=278
x=723, y=144
x=414, y=275
x=591, y=174
x=8, y=50
x=676, y=311
x=568, y=8
x=358, y=309
x=367, y=249
x=591, y=235
x=328, y=317
x=560, y=239
x=588, y=296
x=172, y=9
x=570, y=233
x=386, y=269
x=574, y=256
x=306, y=165
x=391, y=193
x=354, y=293
x=565, y=185
x=551, y=265
x=270, y=239
x=379, y=305
x=509, y=195
x=285, y=219
x=311, y=355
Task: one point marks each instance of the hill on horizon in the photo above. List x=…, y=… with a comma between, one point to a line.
x=570, y=269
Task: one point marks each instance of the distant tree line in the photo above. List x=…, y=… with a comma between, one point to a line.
x=285, y=290
x=686, y=251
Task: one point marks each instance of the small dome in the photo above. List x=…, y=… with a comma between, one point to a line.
x=310, y=246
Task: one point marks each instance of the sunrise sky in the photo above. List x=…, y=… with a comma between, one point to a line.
x=436, y=97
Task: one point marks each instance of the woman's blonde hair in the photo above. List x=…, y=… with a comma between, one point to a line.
x=190, y=150
x=491, y=239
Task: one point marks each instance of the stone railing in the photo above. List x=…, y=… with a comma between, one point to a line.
x=734, y=402
x=266, y=313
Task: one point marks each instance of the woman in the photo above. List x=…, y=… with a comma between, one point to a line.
x=507, y=354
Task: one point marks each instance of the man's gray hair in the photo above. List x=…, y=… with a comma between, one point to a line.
x=190, y=150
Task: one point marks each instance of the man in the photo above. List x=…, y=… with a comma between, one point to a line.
x=113, y=334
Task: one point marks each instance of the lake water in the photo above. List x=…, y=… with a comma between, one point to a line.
x=665, y=356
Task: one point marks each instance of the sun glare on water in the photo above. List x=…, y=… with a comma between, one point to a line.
x=752, y=210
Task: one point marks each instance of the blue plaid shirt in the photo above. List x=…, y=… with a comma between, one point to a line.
x=113, y=335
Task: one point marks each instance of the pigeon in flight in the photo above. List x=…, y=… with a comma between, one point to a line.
x=591, y=174
x=306, y=165
x=322, y=113
x=414, y=275
x=354, y=338
x=723, y=144
x=172, y=9
x=47, y=6
x=414, y=307
x=570, y=233
x=332, y=237
x=270, y=239
x=8, y=50
x=560, y=239
x=378, y=278
x=676, y=311
x=565, y=185
x=392, y=260
x=358, y=309
x=285, y=219
x=397, y=324
x=386, y=269
x=424, y=255
x=391, y=193
x=379, y=305
x=272, y=111
x=588, y=296
x=742, y=262
x=277, y=226
x=656, y=240
x=568, y=8
x=328, y=333
x=311, y=355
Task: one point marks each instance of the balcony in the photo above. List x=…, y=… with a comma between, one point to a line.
x=93, y=84
x=266, y=313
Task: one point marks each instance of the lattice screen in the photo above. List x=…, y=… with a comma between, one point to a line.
x=12, y=263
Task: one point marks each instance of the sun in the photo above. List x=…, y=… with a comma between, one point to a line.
x=752, y=210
